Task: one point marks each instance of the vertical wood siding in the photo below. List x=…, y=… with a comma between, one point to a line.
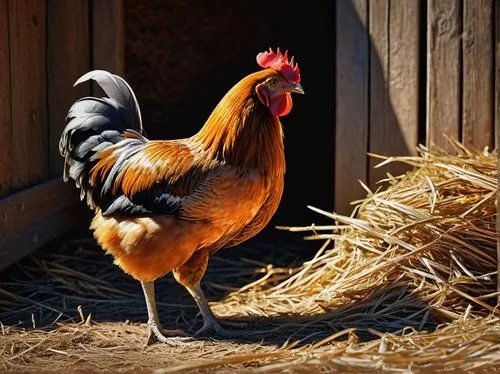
x=68, y=57
x=352, y=105
x=430, y=75
x=45, y=45
x=406, y=71
x=27, y=42
x=5, y=116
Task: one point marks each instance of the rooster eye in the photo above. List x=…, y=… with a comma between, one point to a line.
x=274, y=82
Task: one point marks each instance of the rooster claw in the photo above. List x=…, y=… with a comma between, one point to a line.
x=169, y=337
x=174, y=333
x=215, y=327
x=172, y=341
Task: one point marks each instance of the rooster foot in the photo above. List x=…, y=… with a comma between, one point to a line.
x=234, y=323
x=169, y=337
x=212, y=325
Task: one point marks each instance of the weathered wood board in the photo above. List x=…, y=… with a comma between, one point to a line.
x=351, y=105
x=29, y=157
x=394, y=82
x=478, y=74
x=444, y=70
x=5, y=104
x=67, y=59
x=33, y=217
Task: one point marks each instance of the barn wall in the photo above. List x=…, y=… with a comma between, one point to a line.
x=420, y=70
x=380, y=75
x=45, y=45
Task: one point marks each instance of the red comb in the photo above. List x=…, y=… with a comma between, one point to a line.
x=280, y=62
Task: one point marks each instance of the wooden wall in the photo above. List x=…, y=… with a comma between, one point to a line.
x=45, y=45
x=392, y=74
x=381, y=76
x=407, y=72
x=497, y=129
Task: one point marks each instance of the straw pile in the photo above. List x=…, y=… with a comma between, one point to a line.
x=407, y=283
x=431, y=233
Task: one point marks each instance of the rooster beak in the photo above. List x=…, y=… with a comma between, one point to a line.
x=297, y=88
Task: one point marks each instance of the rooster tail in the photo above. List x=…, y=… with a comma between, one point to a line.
x=93, y=124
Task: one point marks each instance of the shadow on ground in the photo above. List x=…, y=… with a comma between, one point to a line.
x=365, y=317
x=50, y=285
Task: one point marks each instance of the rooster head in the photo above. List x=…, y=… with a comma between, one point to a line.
x=283, y=79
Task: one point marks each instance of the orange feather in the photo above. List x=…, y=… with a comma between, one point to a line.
x=229, y=177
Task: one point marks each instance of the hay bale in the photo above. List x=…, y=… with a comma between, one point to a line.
x=431, y=233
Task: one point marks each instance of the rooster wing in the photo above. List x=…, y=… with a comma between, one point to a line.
x=173, y=178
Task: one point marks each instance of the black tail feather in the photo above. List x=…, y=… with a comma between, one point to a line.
x=94, y=124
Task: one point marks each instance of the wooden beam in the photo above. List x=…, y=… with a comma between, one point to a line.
x=351, y=87
x=478, y=73
x=5, y=115
x=28, y=99
x=108, y=35
x=33, y=217
x=497, y=130
x=67, y=59
x=404, y=76
x=394, y=82
x=383, y=123
x=444, y=25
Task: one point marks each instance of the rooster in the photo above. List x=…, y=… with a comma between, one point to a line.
x=167, y=205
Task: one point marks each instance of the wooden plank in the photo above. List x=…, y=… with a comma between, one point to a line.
x=28, y=99
x=477, y=124
x=33, y=217
x=394, y=82
x=443, y=71
x=404, y=75
x=5, y=118
x=351, y=116
x=67, y=59
x=382, y=120
x=497, y=130
x=108, y=35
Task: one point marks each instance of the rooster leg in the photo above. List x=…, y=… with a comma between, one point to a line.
x=189, y=275
x=156, y=332
x=209, y=320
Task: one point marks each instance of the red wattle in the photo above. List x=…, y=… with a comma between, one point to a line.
x=281, y=105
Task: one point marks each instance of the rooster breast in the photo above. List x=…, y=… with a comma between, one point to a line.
x=264, y=214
